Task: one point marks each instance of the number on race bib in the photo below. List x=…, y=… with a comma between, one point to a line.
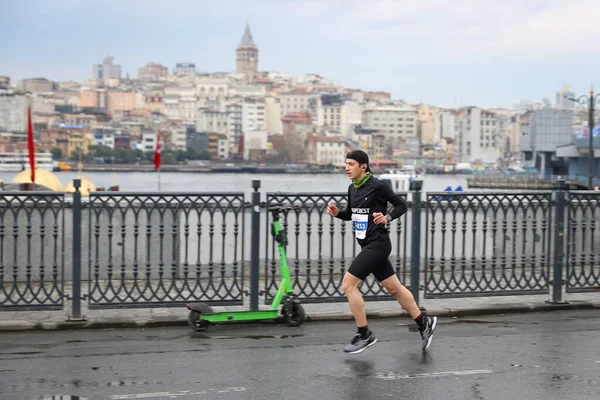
x=361, y=223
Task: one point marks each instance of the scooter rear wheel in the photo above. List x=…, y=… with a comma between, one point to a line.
x=296, y=316
x=197, y=324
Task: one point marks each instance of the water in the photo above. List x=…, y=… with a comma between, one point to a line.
x=224, y=182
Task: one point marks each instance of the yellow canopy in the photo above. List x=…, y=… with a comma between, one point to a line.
x=85, y=189
x=42, y=177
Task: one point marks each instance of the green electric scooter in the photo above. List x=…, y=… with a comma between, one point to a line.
x=202, y=315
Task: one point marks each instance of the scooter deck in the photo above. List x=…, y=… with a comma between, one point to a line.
x=240, y=316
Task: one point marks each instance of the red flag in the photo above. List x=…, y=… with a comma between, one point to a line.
x=30, y=145
x=156, y=158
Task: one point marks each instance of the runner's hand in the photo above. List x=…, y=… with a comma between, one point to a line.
x=379, y=218
x=332, y=210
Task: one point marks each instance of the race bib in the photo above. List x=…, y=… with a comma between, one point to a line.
x=361, y=222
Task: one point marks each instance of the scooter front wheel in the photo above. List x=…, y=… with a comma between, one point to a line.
x=296, y=315
x=197, y=324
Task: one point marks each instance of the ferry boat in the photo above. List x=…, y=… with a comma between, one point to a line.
x=399, y=180
x=15, y=162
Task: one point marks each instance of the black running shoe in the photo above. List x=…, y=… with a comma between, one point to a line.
x=429, y=324
x=358, y=344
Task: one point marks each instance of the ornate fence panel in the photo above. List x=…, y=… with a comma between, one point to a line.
x=32, y=237
x=163, y=250
x=321, y=248
x=482, y=244
x=583, y=242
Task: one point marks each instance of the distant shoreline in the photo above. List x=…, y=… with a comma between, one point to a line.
x=199, y=169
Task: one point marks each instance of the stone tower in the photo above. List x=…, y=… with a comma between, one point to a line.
x=247, y=56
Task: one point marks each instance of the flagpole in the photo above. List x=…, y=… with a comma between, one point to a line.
x=156, y=158
x=30, y=142
x=158, y=147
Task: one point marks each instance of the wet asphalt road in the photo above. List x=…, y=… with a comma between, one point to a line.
x=534, y=356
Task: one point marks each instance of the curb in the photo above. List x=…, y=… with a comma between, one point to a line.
x=21, y=325
x=466, y=312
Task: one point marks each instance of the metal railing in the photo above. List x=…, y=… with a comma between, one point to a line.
x=32, y=246
x=583, y=242
x=488, y=244
x=321, y=249
x=164, y=249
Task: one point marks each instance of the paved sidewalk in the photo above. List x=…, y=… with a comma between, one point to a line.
x=151, y=317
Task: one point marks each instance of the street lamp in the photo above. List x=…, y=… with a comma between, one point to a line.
x=591, y=99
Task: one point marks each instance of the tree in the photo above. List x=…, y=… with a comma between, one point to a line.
x=192, y=154
x=56, y=153
x=78, y=155
x=102, y=151
x=168, y=158
x=148, y=155
x=127, y=156
x=181, y=155
x=204, y=155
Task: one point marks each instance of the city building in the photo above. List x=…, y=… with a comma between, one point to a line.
x=196, y=140
x=153, y=101
x=255, y=145
x=13, y=111
x=295, y=127
x=106, y=70
x=213, y=120
x=222, y=147
x=234, y=116
x=178, y=137
x=273, y=115
x=373, y=142
x=326, y=150
x=542, y=132
x=148, y=140
x=120, y=101
x=253, y=115
x=152, y=72
x=79, y=141
x=181, y=103
x=123, y=141
x=426, y=125
x=398, y=123
x=331, y=113
x=37, y=85
x=298, y=100
x=247, y=56
x=184, y=68
x=479, y=139
x=212, y=89
x=4, y=82
x=563, y=98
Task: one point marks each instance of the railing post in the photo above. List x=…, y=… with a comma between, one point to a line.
x=559, y=235
x=255, y=246
x=415, y=253
x=76, y=262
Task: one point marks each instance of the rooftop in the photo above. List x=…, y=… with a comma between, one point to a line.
x=327, y=139
x=247, y=39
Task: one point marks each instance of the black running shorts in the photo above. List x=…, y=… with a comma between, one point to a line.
x=373, y=260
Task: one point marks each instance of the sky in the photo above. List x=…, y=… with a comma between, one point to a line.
x=447, y=53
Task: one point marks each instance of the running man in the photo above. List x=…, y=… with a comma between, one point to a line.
x=367, y=209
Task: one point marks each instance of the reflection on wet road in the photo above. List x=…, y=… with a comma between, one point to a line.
x=534, y=356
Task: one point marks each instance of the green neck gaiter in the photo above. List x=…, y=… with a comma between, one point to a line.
x=362, y=181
